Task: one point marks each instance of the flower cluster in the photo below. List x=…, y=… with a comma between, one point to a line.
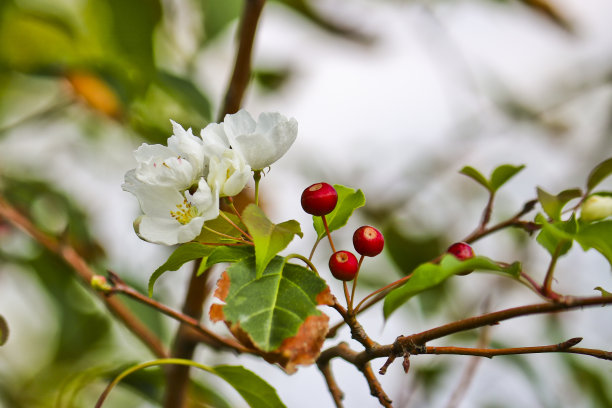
x=179, y=185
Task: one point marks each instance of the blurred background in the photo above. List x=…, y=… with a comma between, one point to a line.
x=393, y=97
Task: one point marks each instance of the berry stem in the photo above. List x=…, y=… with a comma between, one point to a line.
x=256, y=178
x=350, y=305
x=347, y=296
x=314, y=247
x=331, y=242
x=305, y=260
x=383, y=289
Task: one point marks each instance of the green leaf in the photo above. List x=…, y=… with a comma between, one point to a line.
x=599, y=173
x=429, y=275
x=218, y=15
x=553, y=204
x=269, y=238
x=555, y=234
x=255, y=391
x=4, y=330
x=603, y=291
x=272, y=307
x=228, y=254
x=181, y=255
x=597, y=235
x=348, y=201
x=186, y=92
x=213, y=230
x=502, y=174
x=476, y=176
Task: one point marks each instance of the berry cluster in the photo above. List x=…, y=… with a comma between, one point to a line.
x=320, y=199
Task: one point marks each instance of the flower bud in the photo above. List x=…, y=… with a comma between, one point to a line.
x=596, y=207
x=99, y=282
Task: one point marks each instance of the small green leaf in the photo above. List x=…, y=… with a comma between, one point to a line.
x=4, y=331
x=502, y=174
x=553, y=204
x=228, y=254
x=181, y=255
x=555, y=234
x=348, y=201
x=603, y=291
x=597, y=235
x=599, y=173
x=272, y=307
x=476, y=176
x=429, y=275
x=269, y=238
x=255, y=391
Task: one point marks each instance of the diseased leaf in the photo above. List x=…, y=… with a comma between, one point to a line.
x=275, y=313
x=553, y=204
x=269, y=238
x=429, y=275
x=255, y=391
x=502, y=174
x=597, y=235
x=476, y=176
x=599, y=173
x=181, y=255
x=603, y=291
x=4, y=331
x=348, y=201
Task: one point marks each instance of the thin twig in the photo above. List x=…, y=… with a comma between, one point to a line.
x=83, y=271
x=490, y=353
x=212, y=339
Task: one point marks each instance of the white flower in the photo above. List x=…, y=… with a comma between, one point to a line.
x=180, y=164
x=262, y=142
x=171, y=216
x=596, y=207
x=169, y=184
x=228, y=173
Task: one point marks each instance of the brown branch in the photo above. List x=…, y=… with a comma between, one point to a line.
x=375, y=387
x=604, y=355
x=85, y=273
x=414, y=344
x=207, y=336
x=490, y=353
x=242, y=66
x=325, y=368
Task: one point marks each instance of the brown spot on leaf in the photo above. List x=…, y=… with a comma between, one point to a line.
x=325, y=297
x=223, y=286
x=216, y=313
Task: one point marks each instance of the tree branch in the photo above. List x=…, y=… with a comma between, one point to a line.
x=207, y=336
x=242, y=66
x=85, y=273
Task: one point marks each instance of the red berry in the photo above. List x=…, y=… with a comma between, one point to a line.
x=461, y=251
x=343, y=265
x=319, y=199
x=368, y=241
